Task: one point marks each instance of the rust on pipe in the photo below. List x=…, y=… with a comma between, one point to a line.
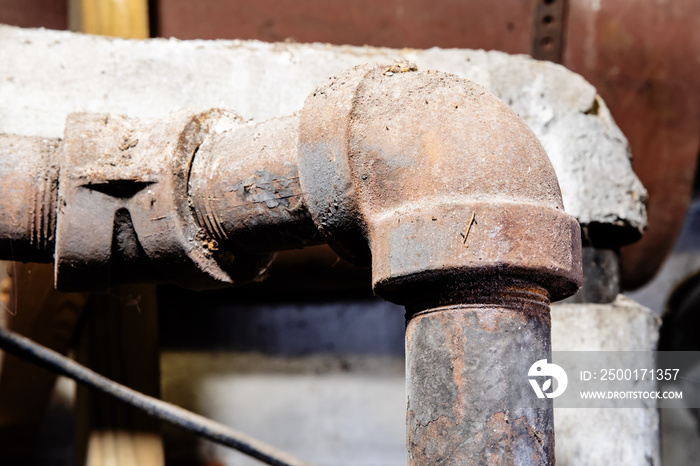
x=438, y=179
x=28, y=194
x=453, y=201
x=245, y=191
x=462, y=359
x=198, y=198
x=427, y=177
x=124, y=211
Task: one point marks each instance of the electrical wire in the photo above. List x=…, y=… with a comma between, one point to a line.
x=199, y=425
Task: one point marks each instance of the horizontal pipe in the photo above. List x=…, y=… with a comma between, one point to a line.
x=28, y=197
x=245, y=192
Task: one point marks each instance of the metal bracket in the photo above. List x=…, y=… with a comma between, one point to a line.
x=549, y=29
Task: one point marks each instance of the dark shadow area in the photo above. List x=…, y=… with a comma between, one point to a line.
x=276, y=324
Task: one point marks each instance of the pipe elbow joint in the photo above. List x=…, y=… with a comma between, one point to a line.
x=436, y=183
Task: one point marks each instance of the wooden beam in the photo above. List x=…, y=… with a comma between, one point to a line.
x=120, y=340
x=120, y=337
x=117, y=18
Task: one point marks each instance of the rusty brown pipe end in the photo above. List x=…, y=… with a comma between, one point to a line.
x=126, y=213
x=465, y=406
x=28, y=195
x=245, y=191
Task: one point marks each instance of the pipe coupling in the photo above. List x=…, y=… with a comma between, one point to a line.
x=124, y=211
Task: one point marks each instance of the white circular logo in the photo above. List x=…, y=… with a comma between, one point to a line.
x=544, y=369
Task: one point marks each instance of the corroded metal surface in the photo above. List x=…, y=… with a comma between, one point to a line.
x=458, y=204
x=463, y=407
x=28, y=184
x=124, y=212
x=585, y=146
x=428, y=177
x=503, y=25
x=245, y=189
x=642, y=57
x=439, y=178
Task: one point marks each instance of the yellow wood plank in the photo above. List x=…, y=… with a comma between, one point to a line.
x=116, y=18
x=120, y=340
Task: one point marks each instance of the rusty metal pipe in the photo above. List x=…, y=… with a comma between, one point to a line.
x=200, y=198
x=244, y=187
x=457, y=206
x=425, y=176
x=28, y=193
x=461, y=364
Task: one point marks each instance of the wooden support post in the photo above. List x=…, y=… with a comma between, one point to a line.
x=31, y=306
x=119, y=340
x=117, y=18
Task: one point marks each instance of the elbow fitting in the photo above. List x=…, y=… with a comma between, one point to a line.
x=429, y=178
x=436, y=182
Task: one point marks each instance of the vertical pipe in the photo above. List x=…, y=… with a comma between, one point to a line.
x=464, y=362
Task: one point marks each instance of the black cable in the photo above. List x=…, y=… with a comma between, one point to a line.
x=199, y=425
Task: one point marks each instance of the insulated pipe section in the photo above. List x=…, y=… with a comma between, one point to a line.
x=453, y=201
